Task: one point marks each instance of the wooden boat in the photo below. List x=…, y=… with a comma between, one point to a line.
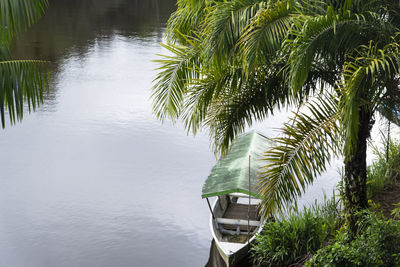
x=231, y=228
x=234, y=219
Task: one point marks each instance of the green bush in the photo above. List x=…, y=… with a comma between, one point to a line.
x=287, y=240
x=376, y=244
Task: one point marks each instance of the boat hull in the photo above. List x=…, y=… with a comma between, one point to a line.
x=230, y=252
x=233, y=258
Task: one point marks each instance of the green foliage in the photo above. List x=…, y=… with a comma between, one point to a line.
x=21, y=81
x=365, y=73
x=396, y=211
x=174, y=79
x=377, y=243
x=18, y=15
x=240, y=60
x=210, y=87
x=301, y=154
x=288, y=239
x=266, y=31
x=383, y=171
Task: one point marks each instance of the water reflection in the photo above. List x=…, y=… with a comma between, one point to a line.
x=71, y=28
x=92, y=179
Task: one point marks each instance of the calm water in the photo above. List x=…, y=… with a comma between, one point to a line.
x=91, y=178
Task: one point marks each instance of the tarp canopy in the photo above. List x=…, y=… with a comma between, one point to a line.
x=231, y=173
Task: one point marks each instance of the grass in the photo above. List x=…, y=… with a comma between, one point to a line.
x=294, y=237
x=384, y=171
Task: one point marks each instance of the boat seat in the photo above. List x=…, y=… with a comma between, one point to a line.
x=236, y=226
x=237, y=222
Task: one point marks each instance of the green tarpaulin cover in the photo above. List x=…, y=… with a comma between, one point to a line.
x=231, y=173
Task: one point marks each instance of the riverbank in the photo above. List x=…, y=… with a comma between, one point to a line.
x=387, y=199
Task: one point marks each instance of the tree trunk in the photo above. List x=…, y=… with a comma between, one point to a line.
x=355, y=180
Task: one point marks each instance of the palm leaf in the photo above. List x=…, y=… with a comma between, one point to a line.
x=365, y=77
x=325, y=38
x=224, y=26
x=186, y=20
x=303, y=152
x=16, y=16
x=266, y=32
x=232, y=111
x=176, y=74
x=21, y=81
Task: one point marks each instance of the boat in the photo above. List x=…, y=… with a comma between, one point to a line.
x=235, y=220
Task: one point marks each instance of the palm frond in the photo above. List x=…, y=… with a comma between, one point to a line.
x=325, y=38
x=203, y=92
x=308, y=143
x=231, y=111
x=224, y=26
x=365, y=77
x=21, y=81
x=265, y=33
x=16, y=16
x=176, y=74
x=186, y=20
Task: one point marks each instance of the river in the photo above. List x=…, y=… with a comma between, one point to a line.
x=92, y=178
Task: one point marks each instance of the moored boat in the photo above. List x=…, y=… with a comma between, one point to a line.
x=235, y=219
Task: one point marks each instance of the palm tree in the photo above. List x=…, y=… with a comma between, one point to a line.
x=21, y=81
x=236, y=61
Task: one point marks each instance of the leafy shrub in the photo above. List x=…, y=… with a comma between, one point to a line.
x=396, y=211
x=287, y=240
x=376, y=244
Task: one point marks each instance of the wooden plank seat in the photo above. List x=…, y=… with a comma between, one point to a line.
x=236, y=226
x=237, y=222
x=240, y=230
